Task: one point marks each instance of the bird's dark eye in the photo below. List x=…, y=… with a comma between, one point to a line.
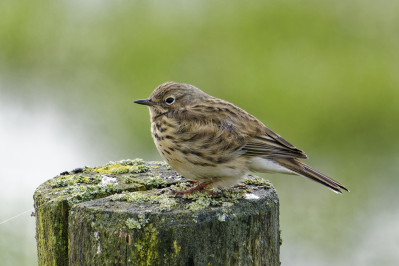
x=170, y=100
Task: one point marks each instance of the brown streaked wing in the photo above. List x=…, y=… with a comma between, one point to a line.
x=268, y=145
x=280, y=139
x=271, y=148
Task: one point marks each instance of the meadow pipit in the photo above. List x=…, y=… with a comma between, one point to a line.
x=214, y=142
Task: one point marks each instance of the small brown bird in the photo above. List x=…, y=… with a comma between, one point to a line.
x=212, y=141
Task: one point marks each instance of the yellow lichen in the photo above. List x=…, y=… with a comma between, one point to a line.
x=124, y=166
x=176, y=249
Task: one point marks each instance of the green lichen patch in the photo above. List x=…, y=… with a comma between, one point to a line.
x=84, y=179
x=232, y=195
x=137, y=197
x=124, y=166
x=78, y=188
x=166, y=165
x=257, y=181
x=181, y=186
x=72, y=180
x=200, y=203
x=140, y=222
x=202, y=200
x=164, y=202
x=88, y=183
x=156, y=182
x=132, y=179
x=60, y=183
x=84, y=193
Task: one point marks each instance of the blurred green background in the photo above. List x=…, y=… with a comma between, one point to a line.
x=323, y=74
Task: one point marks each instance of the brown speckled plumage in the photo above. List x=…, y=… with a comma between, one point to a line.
x=211, y=140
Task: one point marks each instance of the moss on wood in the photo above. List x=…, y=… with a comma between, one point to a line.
x=125, y=213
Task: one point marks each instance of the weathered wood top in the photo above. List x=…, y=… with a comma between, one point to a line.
x=132, y=198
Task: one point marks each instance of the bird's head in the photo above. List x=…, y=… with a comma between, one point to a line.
x=171, y=96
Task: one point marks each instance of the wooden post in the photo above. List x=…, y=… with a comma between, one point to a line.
x=125, y=213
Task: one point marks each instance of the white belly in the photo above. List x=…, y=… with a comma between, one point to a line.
x=263, y=165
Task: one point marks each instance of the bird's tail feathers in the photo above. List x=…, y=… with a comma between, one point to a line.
x=305, y=170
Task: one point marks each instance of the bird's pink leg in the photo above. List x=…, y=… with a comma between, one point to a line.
x=198, y=187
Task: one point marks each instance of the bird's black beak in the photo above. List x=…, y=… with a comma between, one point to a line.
x=144, y=102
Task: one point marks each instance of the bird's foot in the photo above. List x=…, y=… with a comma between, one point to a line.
x=199, y=187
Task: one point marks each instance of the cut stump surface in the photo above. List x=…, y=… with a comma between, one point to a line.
x=125, y=213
